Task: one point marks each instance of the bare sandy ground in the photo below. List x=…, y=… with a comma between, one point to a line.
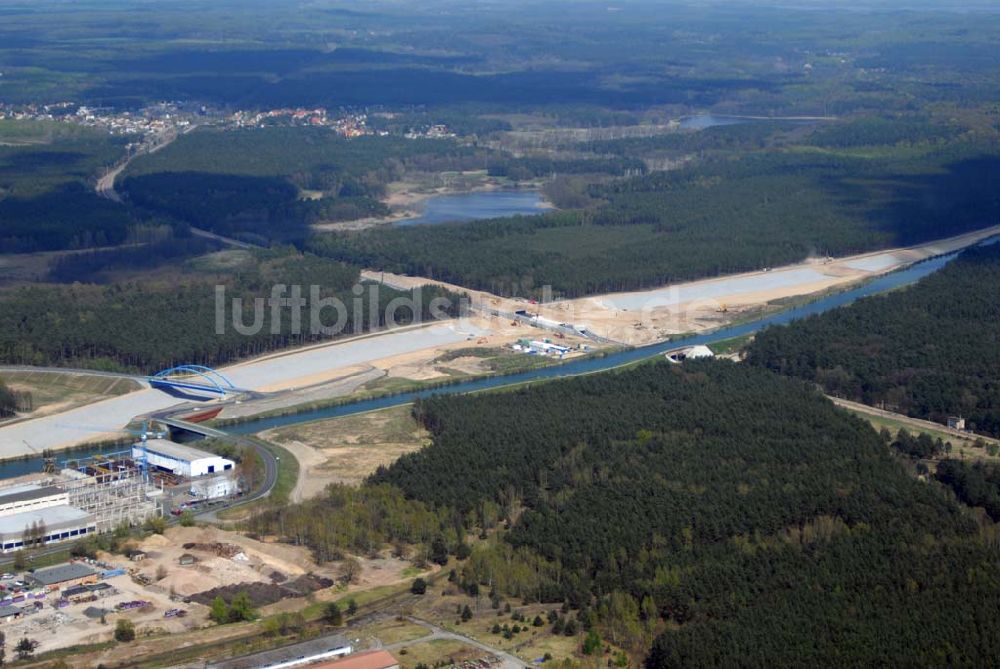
x=352, y=380
x=211, y=570
x=58, y=392
x=630, y=318
x=348, y=449
x=311, y=365
x=332, y=376
x=322, y=371
x=60, y=628
x=254, y=563
x=298, y=368
x=649, y=316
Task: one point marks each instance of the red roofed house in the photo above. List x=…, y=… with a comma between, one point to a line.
x=369, y=659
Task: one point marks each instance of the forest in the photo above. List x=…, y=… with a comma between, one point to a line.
x=733, y=214
x=8, y=401
x=746, y=136
x=249, y=183
x=359, y=520
x=107, y=265
x=133, y=325
x=47, y=200
x=929, y=351
x=729, y=514
x=976, y=484
x=883, y=131
x=522, y=169
x=507, y=56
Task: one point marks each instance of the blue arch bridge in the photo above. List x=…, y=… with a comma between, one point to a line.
x=193, y=380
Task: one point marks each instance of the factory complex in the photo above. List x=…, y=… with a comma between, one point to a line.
x=99, y=493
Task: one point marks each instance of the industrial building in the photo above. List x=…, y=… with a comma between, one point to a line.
x=94, y=495
x=304, y=654
x=181, y=460
x=10, y=612
x=689, y=353
x=44, y=526
x=64, y=576
x=113, y=490
x=369, y=659
x=87, y=592
x=214, y=487
x=544, y=347
x=100, y=493
x=30, y=497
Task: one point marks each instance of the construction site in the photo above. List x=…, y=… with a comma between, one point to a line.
x=98, y=493
x=159, y=582
x=94, y=495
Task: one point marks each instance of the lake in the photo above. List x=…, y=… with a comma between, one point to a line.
x=478, y=205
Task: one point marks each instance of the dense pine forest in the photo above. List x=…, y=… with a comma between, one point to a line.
x=731, y=515
x=929, y=351
x=976, y=484
x=47, y=200
x=161, y=321
x=248, y=183
x=727, y=215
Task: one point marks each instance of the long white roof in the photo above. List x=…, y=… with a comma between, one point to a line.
x=178, y=451
x=53, y=517
x=27, y=491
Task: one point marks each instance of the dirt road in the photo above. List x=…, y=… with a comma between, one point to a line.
x=917, y=424
x=508, y=661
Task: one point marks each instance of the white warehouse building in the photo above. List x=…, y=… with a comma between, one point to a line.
x=30, y=497
x=182, y=460
x=44, y=526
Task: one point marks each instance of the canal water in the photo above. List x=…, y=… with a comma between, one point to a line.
x=33, y=465
x=896, y=279
x=476, y=206
x=884, y=283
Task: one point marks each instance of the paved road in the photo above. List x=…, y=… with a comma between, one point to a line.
x=105, y=186
x=270, y=462
x=71, y=370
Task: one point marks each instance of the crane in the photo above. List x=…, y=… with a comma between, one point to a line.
x=144, y=435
